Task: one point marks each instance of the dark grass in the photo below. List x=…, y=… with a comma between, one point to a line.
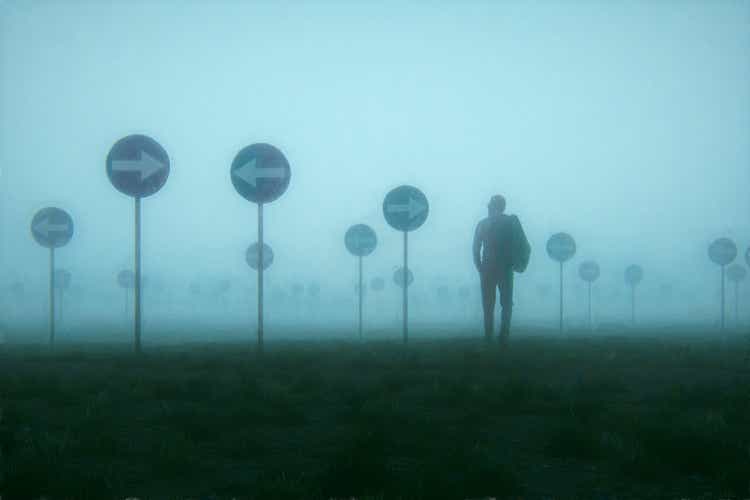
x=580, y=417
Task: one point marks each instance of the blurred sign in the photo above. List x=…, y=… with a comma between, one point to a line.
x=260, y=173
x=736, y=273
x=589, y=271
x=633, y=274
x=360, y=240
x=722, y=251
x=398, y=277
x=137, y=166
x=52, y=227
x=252, y=258
x=405, y=208
x=561, y=247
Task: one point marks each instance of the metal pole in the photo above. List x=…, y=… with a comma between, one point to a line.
x=561, y=297
x=736, y=304
x=137, y=289
x=722, y=297
x=60, y=306
x=632, y=305
x=406, y=286
x=589, y=305
x=360, y=298
x=260, y=278
x=51, y=296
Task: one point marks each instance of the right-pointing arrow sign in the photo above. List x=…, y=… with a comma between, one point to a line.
x=146, y=166
x=250, y=172
x=413, y=208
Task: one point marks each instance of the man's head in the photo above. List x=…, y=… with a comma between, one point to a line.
x=496, y=205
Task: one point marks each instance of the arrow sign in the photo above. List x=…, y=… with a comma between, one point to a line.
x=147, y=166
x=52, y=227
x=250, y=172
x=413, y=208
x=45, y=227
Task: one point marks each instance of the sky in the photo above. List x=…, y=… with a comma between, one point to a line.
x=626, y=124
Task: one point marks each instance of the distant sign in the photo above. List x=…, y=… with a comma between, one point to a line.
x=126, y=278
x=405, y=208
x=260, y=173
x=561, y=247
x=722, y=251
x=62, y=279
x=360, y=240
x=137, y=166
x=736, y=273
x=588, y=271
x=252, y=256
x=52, y=227
x=377, y=284
x=398, y=277
x=633, y=274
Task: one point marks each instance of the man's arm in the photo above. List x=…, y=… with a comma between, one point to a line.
x=476, y=247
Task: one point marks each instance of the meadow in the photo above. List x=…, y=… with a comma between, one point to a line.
x=632, y=415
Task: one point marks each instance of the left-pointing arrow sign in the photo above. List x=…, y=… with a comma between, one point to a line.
x=250, y=172
x=146, y=166
x=46, y=227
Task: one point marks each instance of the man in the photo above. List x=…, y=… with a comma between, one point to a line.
x=499, y=248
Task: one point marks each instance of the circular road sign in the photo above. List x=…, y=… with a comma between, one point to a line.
x=722, y=251
x=126, y=278
x=377, y=284
x=360, y=240
x=62, y=279
x=561, y=247
x=405, y=208
x=52, y=227
x=633, y=274
x=260, y=173
x=588, y=271
x=137, y=166
x=736, y=273
x=398, y=277
x=252, y=258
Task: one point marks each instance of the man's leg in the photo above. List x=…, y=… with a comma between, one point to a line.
x=506, y=302
x=487, y=281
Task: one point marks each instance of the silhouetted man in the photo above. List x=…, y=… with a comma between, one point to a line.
x=500, y=248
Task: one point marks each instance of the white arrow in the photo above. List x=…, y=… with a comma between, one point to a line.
x=45, y=227
x=147, y=166
x=250, y=172
x=413, y=208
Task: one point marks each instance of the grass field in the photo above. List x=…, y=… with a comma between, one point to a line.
x=616, y=417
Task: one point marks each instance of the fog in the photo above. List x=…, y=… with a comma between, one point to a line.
x=624, y=124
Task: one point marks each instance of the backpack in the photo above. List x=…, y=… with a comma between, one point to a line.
x=520, y=248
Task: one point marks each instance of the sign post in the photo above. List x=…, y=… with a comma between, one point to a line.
x=52, y=228
x=260, y=173
x=633, y=276
x=137, y=166
x=126, y=281
x=736, y=273
x=722, y=251
x=561, y=247
x=361, y=241
x=62, y=283
x=589, y=272
x=405, y=209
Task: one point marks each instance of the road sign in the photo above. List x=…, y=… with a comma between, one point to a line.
x=722, y=251
x=588, y=271
x=260, y=173
x=126, y=278
x=398, y=277
x=62, y=279
x=736, y=273
x=52, y=227
x=252, y=257
x=561, y=247
x=633, y=274
x=377, y=284
x=405, y=208
x=137, y=166
x=360, y=240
